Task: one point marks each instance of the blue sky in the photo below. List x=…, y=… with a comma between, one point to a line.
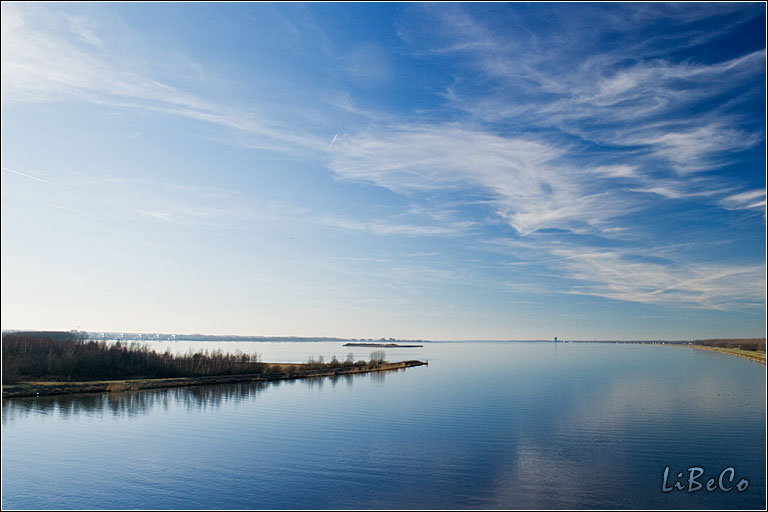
x=440, y=171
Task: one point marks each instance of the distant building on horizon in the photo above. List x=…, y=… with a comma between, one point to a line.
x=555, y=339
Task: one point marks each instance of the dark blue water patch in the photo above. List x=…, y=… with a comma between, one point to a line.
x=484, y=426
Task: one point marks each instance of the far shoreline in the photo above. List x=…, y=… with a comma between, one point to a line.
x=380, y=345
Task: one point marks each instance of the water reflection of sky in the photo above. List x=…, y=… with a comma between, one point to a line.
x=484, y=426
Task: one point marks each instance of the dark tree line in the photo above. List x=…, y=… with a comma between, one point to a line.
x=64, y=356
x=755, y=344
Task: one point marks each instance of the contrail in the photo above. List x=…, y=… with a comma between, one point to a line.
x=42, y=180
x=334, y=140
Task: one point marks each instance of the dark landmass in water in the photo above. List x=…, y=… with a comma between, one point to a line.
x=275, y=371
x=40, y=363
x=383, y=345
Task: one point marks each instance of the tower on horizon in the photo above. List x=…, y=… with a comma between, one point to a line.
x=555, y=339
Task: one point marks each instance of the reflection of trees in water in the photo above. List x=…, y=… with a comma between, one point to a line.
x=377, y=377
x=205, y=397
x=314, y=382
x=134, y=403
x=317, y=382
x=347, y=378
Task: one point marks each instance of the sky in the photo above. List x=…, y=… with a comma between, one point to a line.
x=437, y=171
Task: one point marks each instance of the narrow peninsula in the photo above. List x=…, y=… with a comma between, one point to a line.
x=39, y=364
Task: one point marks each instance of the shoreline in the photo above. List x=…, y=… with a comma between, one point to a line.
x=758, y=357
x=381, y=345
x=33, y=389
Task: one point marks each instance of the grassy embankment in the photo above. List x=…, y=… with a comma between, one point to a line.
x=59, y=363
x=750, y=348
x=747, y=354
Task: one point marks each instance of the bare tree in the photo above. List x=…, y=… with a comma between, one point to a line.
x=377, y=356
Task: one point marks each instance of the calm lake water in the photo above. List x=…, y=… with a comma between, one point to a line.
x=485, y=425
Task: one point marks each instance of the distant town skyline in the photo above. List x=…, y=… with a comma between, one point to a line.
x=417, y=171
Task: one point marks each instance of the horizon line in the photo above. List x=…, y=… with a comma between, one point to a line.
x=342, y=338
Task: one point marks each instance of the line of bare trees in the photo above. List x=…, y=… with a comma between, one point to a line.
x=377, y=358
x=61, y=356
x=755, y=344
x=65, y=356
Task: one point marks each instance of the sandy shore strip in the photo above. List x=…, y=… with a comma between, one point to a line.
x=746, y=354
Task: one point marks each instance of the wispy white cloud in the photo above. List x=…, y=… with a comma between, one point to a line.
x=388, y=227
x=368, y=65
x=43, y=63
x=649, y=275
x=673, y=189
x=648, y=107
x=422, y=254
x=650, y=87
x=695, y=148
x=616, y=171
x=520, y=177
x=704, y=285
x=524, y=156
x=754, y=199
x=632, y=96
x=83, y=28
